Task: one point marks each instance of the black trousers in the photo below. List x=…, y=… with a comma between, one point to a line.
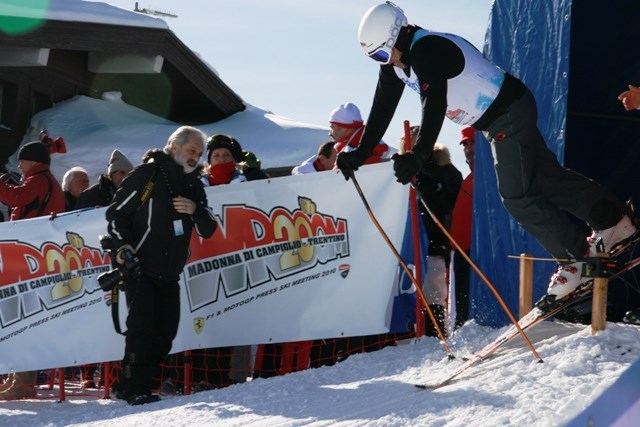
x=152, y=324
x=538, y=191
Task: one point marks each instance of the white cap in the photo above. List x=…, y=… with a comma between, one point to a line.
x=347, y=115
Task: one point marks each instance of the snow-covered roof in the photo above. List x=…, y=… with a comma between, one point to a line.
x=92, y=128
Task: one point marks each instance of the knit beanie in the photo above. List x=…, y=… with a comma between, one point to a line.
x=346, y=115
x=119, y=162
x=35, y=151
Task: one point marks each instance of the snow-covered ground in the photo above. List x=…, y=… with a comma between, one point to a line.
x=376, y=389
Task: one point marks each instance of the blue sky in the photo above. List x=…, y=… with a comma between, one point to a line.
x=301, y=58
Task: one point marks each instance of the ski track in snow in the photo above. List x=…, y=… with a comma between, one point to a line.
x=376, y=389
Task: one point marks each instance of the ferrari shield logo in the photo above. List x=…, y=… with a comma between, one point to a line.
x=198, y=324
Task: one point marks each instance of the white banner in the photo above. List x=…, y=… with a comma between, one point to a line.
x=294, y=258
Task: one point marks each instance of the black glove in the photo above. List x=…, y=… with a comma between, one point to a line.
x=406, y=166
x=350, y=162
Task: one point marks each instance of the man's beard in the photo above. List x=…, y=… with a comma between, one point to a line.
x=188, y=166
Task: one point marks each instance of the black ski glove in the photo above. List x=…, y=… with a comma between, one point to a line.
x=350, y=162
x=406, y=166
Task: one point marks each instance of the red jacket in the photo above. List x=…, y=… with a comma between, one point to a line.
x=26, y=199
x=462, y=214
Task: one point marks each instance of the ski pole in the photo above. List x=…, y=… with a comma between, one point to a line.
x=413, y=212
x=479, y=272
x=402, y=263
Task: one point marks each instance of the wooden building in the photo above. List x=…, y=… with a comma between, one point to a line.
x=149, y=65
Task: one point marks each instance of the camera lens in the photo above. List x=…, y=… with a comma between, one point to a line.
x=110, y=279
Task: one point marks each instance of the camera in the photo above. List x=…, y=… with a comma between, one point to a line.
x=130, y=270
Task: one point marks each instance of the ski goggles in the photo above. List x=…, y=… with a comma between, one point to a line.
x=381, y=55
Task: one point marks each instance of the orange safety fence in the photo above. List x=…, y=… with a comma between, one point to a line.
x=197, y=370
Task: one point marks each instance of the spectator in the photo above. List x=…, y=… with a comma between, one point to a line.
x=461, y=220
x=101, y=193
x=221, y=166
x=248, y=163
x=232, y=364
x=454, y=80
x=438, y=182
x=156, y=226
x=324, y=160
x=38, y=195
x=630, y=98
x=347, y=127
x=74, y=182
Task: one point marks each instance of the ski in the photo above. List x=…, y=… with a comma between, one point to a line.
x=535, y=316
x=530, y=319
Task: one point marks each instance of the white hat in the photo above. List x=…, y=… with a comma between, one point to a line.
x=346, y=115
x=119, y=162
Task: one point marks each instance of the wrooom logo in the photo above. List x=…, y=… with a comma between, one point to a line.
x=253, y=247
x=36, y=279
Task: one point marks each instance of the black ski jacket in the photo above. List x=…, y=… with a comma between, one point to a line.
x=159, y=234
x=435, y=60
x=98, y=195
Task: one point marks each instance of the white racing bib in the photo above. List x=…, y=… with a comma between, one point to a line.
x=471, y=92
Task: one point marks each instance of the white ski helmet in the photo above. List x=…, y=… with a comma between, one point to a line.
x=379, y=29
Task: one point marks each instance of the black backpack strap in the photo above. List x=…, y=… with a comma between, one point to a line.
x=148, y=188
x=43, y=205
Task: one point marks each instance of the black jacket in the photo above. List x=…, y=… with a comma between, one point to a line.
x=69, y=202
x=439, y=186
x=98, y=195
x=435, y=60
x=150, y=225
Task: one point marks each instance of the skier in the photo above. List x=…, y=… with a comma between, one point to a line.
x=454, y=80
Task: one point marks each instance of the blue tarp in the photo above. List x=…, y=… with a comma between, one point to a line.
x=403, y=314
x=531, y=41
x=576, y=57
